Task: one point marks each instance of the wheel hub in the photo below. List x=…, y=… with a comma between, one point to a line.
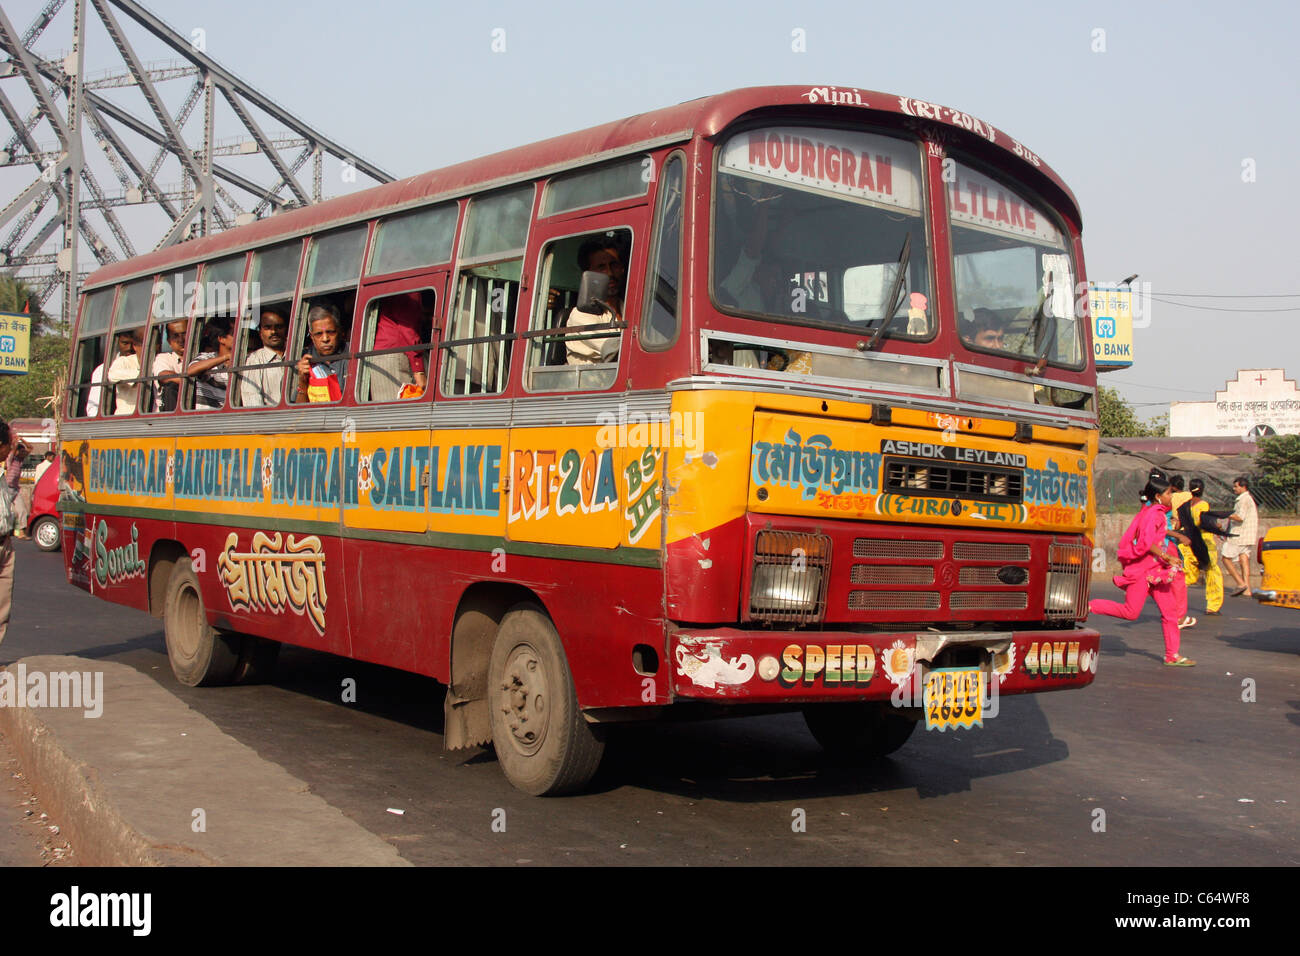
x=524, y=696
x=47, y=534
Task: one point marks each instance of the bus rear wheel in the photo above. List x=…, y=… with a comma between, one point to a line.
x=545, y=746
x=200, y=654
x=862, y=731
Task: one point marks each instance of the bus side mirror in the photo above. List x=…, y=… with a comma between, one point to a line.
x=592, y=291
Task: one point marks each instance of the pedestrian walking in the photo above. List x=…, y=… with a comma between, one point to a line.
x=1204, y=558
x=1236, y=550
x=1175, y=538
x=1148, y=566
x=12, y=453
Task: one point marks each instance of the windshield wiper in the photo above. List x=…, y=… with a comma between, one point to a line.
x=903, y=258
x=1040, y=359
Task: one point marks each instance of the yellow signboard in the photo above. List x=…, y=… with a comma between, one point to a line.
x=15, y=342
x=1112, y=326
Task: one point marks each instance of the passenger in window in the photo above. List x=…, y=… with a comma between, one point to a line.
x=606, y=255
x=169, y=368
x=262, y=386
x=210, y=368
x=987, y=331
x=398, y=374
x=124, y=373
x=322, y=372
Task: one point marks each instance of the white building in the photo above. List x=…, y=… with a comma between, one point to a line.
x=1260, y=401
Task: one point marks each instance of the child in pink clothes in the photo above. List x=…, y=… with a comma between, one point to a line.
x=1149, y=567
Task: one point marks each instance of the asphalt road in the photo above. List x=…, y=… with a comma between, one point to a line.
x=1184, y=771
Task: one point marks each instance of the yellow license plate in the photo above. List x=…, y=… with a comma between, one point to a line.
x=954, y=697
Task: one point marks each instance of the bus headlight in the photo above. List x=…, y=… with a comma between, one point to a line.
x=790, y=575
x=1066, y=592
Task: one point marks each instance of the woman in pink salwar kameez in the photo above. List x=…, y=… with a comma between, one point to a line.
x=1148, y=566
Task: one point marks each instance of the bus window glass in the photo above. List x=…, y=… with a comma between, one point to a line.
x=497, y=225
x=275, y=272
x=85, y=397
x=122, y=368
x=134, y=304
x=220, y=292
x=659, y=326
x=97, y=312
x=413, y=239
x=486, y=299
x=334, y=260
x=625, y=179
x=820, y=226
x=582, y=358
x=1012, y=272
x=173, y=299
x=325, y=306
x=404, y=319
x=212, y=340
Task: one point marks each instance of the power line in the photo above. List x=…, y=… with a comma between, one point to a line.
x=1235, y=295
x=1217, y=308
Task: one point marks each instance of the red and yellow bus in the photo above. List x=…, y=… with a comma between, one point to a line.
x=776, y=399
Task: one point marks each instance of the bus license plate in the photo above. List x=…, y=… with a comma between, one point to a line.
x=954, y=697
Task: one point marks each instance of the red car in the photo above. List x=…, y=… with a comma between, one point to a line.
x=45, y=525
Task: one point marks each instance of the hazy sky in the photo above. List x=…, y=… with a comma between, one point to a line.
x=1156, y=123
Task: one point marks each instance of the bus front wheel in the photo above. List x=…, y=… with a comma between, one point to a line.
x=543, y=743
x=198, y=652
x=859, y=730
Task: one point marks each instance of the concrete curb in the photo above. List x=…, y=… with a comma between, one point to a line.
x=126, y=786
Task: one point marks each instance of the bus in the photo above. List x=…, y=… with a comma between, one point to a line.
x=781, y=399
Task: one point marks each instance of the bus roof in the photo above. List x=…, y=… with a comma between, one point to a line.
x=705, y=116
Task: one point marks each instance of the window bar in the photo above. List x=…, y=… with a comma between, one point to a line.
x=500, y=344
x=471, y=291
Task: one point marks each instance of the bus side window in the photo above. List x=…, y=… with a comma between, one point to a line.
x=339, y=307
x=122, y=365
x=487, y=292
x=661, y=321
x=575, y=357
x=486, y=299
x=85, y=394
x=328, y=291
x=208, y=370
x=88, y=394
x=161, y=359
x=404, y=319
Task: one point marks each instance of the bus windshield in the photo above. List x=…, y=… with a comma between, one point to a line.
x=1013, y=274
x=815, y=225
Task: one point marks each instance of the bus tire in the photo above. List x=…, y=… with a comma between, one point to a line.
x=257, y=658
x=864, y=731
x=47, y=533
x=200, y=654
x=544, y=745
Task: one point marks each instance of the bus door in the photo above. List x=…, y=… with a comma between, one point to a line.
x=390, y=464
x=568, y=469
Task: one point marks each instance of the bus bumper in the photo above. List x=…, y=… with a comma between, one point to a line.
x=807, y=666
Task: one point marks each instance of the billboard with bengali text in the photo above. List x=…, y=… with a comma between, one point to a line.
x=1112, y=326
x=15, y=342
